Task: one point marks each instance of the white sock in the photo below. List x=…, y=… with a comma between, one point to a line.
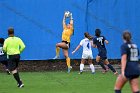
x=92, y=68
x=81, y=67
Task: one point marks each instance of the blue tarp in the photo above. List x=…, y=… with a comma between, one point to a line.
x=39, y=23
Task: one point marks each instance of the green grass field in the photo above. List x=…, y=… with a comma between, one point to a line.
x=61, y=82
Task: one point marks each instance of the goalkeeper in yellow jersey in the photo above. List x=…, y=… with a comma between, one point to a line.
x=66, y=35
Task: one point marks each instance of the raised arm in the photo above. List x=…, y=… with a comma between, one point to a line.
x=71, y=19
x=64, y=19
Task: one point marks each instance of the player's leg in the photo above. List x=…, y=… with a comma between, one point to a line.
x=110, y=66
x=65, y=51
x=13, y=64
x=91, y=66
x=58, y=46
x=134, y=83
x=3, y=60
x=100, y=63
x=5, y=63
x=82, y=65
x=119, y=83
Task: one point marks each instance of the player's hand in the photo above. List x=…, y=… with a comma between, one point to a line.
x=70, y=14
x=123, y=76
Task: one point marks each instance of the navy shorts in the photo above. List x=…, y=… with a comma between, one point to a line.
x=103, y=55
x=3, y=60
x=13, y=62
x=132, y=70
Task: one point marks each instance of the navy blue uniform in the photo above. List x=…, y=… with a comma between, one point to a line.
x=99, y=42
x=132, y=69
x=3, y=57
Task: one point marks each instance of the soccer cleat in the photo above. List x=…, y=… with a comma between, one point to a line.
x=116, y=73
x=104, y=71
x=8, y=72
x=21, y=85
x=69, y=69
x=80, y=72
x=56, y=57
x=93, y=73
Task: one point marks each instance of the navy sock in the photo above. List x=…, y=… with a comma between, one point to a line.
x=111, y=67
x=16, y=76
x=102, y=65
x=117, y=91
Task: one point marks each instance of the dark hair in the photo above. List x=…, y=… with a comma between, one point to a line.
x=127, y=36
x=2, y=41
x=10, y=30
x=97, y=32
x=88, y=36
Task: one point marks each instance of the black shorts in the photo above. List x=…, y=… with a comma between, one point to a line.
x=67, y=43
x=13, y=62
x=131, y=77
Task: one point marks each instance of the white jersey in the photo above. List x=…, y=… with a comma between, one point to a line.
x=87, y=51
x=1, y=51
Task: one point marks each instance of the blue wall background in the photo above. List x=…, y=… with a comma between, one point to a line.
x=39, y=23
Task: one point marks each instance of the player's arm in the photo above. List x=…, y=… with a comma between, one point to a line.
x=5, y=46
x=22, y=45
x=71, y=19
x=123, y=59
x=93, y=45
x=123, y=64
x=64, y=21
x=106, y=41
x=76, y=49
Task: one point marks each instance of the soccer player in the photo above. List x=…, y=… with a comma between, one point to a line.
x=65, y=44
x=13, y=46
x=3, y=56
x=130, y=70
x=98, y=42
x=87, y=52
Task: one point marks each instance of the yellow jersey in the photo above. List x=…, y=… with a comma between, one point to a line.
x=13, y=45
x=67, y=32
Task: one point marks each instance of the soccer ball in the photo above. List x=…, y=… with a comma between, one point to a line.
x=67, y=14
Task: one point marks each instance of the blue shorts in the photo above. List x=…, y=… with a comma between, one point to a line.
x=3, y=58
x=132, y=70
x=103, y=55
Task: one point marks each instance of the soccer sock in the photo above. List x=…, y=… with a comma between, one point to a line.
x=117, y=91
x=111, y=67
x=92, y=68
x=68, y=61
x=81, y=67
x=57, y=51
x=102, y=65
x=16, y=76
x=137, y=92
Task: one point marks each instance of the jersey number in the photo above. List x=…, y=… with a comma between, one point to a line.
x=134, y=54
x=88, y=45
x=100, y=39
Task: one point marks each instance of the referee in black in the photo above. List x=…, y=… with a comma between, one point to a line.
x=13, y=46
